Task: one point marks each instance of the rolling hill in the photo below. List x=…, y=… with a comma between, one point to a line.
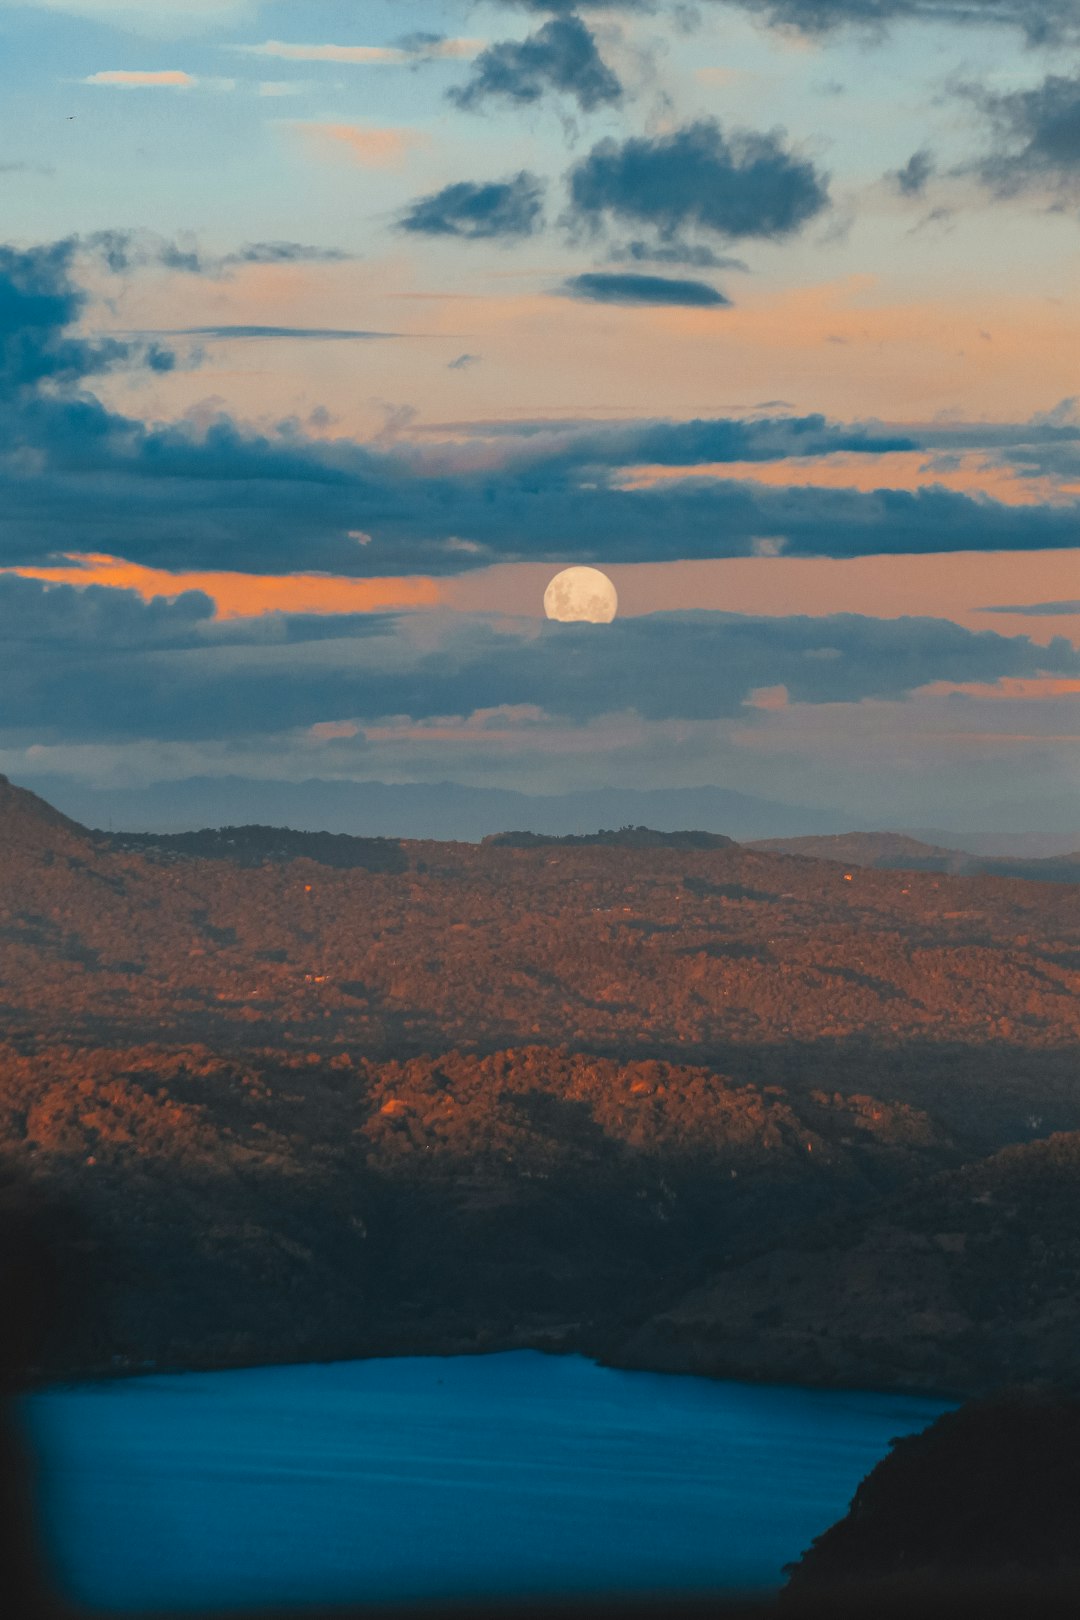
x=301, y=1095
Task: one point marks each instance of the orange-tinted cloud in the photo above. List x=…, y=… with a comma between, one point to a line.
x=370, y=146
x=334, y=730
x=244, y=596
x=970, y=474
x=1010, y=689
x=144, y=81
x=768, y=698
x=365, y=55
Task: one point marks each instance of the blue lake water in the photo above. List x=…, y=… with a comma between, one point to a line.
x=416, y=1478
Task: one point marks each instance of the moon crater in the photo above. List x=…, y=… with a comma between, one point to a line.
x=582, y=595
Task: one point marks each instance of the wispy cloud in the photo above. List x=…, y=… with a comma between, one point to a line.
x=26, y=168
x=368, y=145
x=122, y=80
x=283, y=87
x=644, y=290
x=1038, y=610
x=334, y=334
x=419, y=48
x=125, y=252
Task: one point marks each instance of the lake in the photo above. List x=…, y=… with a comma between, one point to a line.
x=415, y=1478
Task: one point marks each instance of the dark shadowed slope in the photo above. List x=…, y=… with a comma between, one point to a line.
x=992, y=1490
x=968, y=1282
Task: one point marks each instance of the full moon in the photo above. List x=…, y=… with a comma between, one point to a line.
x=581, y=594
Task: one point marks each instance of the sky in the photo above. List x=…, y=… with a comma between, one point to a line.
x=331, y=329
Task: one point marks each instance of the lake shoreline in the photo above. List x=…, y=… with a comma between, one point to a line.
x=40, y=1381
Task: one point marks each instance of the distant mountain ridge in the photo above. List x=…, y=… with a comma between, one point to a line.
x=448, y=811
x=26, y=817
x=623, y=838
x=890, y=852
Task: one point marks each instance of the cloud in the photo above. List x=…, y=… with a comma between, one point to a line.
x=34, y=612
x=27, y=168
x=39, y=304
x=101, y=665
x=276, y=89
x=562, y=56
x=654, y=290
x=285, y=253
x=413, y=49
x=1037, y=137
x=242, y=596
x=123, y=252
x=743, y=185
x=215, y=495
x=480, y=210
x=1041, y=21
x=369, y=145
x=912, y=179
x=695, y=255
x=122, y=80
x=1037, y=610
x=299, y=333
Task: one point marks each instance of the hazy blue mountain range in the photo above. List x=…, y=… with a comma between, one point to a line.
x=450, y=810
x=445, y=810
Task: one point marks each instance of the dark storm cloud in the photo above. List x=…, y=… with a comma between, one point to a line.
x=480, y=211
x=1037, y=136
x=742, y=185
x=562, y=56
x=78, y=477
x=631, y=289
x=103, y=666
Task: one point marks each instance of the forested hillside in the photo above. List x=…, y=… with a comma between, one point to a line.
x=674, y=1105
